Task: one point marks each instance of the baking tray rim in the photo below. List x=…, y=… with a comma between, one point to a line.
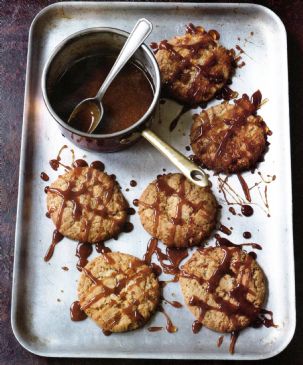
x=24, y=342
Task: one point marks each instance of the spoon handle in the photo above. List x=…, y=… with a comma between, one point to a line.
x=141, y=31
x=189, y=169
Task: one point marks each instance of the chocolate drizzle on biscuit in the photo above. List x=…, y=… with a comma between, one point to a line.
x=163, y=188
x=96, y=206
x=238, y=294
x=133, y=276
x=206, y=74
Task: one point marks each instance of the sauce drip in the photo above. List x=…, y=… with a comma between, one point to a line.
x=247, y=235
x=101, y=248
x=173, y=303
x=125, y=102
x=154, y=329
x=221, y=241
x=57, y=237
x=131, y=211
x=233, y=339
x=265, y=318
x=220, y=341
x=169, y=324
x=98, y=165
x=247, y=210
x=83, y=251
x=173, y=255
x=128, y=227
x=244, y=187
x=44, y=176
x=224, y=229
x=196, y=326
x=76, y=313
x=79, y=163
x=55, y=163
x=232, y=210
x=133, y=183
x=136, y=202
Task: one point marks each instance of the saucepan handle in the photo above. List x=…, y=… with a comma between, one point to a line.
x=188, y=168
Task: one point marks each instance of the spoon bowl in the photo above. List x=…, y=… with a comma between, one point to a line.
x=87, y=115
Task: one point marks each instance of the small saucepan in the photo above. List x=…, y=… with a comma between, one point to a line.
x=107, y=41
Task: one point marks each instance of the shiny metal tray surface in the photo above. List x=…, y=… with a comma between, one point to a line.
x=43, y=292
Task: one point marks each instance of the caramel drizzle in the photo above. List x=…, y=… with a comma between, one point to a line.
x=170, y=327
x=73, y=195
x=206, y=70
x=56, y=162
x=173, y=255
x=244, y=187
x=57, y=237
x=238, y=294
x=132, y=274
x=221, y=241
x=163, y=188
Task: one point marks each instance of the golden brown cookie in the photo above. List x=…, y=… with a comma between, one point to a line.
x=194, y=66
x=87, y=205
x=229, y=137
x=177, y=212
x=223, y=287
x=118, y=291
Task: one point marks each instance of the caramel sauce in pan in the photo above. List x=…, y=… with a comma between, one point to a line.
x=85, y=117
x=57, y=237
x=125, y=102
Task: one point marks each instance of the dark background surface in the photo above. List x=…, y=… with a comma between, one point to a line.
x=15, y=19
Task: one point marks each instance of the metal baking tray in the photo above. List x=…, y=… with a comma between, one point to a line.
x=43, y=292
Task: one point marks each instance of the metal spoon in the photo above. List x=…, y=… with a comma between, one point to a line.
x=91, y=109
